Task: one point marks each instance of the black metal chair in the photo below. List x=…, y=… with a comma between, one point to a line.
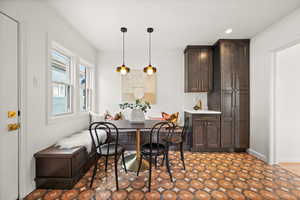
x=154, y=148
x=110, y=147
x=177, y=138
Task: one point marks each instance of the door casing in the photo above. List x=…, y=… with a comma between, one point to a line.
x=272, y=156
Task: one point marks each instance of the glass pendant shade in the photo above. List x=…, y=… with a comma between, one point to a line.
x=149, y=70
x=123, y=69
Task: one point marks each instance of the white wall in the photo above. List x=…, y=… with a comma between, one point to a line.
x=38, y=21
x=170, y=81
x=191, y=99
x=263, y=45
x=287, y=105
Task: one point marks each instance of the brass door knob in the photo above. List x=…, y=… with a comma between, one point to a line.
x=13, y=127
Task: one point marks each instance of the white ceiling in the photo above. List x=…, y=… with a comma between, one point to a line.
x=176, y=23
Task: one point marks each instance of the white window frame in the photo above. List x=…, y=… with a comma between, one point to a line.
x=90, y=85
x=56, y=46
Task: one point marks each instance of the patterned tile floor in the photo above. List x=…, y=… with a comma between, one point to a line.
x=207, y=176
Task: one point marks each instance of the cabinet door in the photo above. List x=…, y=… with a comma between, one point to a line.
x=186, y=72
x=198, y=134
x=242, y=119
x=241, y=65
x=206, y=65
x=199, y=69
x=227, y=119
x=213, y=134
x=194, y=71
x=227, y=65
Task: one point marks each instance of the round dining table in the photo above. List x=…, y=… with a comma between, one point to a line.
x=132, y=160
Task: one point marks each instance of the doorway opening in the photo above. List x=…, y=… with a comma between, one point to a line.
x=287, y=108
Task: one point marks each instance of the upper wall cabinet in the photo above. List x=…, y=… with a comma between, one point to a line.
x=198, y=72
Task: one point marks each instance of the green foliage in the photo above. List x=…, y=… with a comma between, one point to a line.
x=139, y=104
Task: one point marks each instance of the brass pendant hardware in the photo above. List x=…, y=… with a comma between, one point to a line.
x=11, y=114
x=13, y=127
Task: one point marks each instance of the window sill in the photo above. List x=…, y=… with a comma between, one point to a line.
x=62, y=118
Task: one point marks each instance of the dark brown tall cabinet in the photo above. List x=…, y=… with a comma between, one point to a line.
x=198, y=68
x=231, y=92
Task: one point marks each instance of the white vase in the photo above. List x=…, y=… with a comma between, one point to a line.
x=137, y=116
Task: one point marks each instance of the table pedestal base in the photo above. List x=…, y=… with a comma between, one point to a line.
x=132, y=163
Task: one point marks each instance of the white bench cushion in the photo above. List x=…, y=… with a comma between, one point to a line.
x=81, y=139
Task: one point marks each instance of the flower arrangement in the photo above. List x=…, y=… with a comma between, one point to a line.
x=139, y=104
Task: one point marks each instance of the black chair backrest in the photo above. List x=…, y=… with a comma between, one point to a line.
x=156, y=131
x=185, y=129
x=108, y=129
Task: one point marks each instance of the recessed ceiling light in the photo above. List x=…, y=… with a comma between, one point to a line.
x=228, y=31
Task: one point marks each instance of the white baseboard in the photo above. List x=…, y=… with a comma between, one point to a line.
x=289, y=160
x=257, y=155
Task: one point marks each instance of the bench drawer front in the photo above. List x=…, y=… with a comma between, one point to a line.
x=53, y=167
x=78, y=160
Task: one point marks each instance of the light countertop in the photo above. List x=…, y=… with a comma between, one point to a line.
x=191, y=111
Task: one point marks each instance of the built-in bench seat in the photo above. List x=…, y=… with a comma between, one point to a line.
x=61, y=168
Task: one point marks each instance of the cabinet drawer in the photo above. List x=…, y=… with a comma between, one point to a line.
x=206, y=117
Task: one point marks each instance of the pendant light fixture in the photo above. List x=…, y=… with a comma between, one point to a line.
x=123, y=69
x=149, y=69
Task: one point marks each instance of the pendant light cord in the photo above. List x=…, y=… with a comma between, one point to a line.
x=149, y=48
x=123, y=48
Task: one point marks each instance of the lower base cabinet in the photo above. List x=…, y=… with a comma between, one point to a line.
x=205, y=131
x=207, y=135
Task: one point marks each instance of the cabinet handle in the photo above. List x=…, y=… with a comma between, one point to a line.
x=236, y=81
x=200, y=86
x=232, y=80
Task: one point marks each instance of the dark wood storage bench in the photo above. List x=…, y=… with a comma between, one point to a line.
x=61, y=168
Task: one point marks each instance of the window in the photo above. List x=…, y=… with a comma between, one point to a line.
x=85, y=88
x=70, y=84
x=61, y=76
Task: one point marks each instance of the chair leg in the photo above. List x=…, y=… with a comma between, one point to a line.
x=182, y=155
x=150, y=173
x=116, y=172
x=95, y=170
x=123, y=160
x=163, y=160
x=155, y=162
x=168, y=165
x=106, y=163
x=140, y=164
